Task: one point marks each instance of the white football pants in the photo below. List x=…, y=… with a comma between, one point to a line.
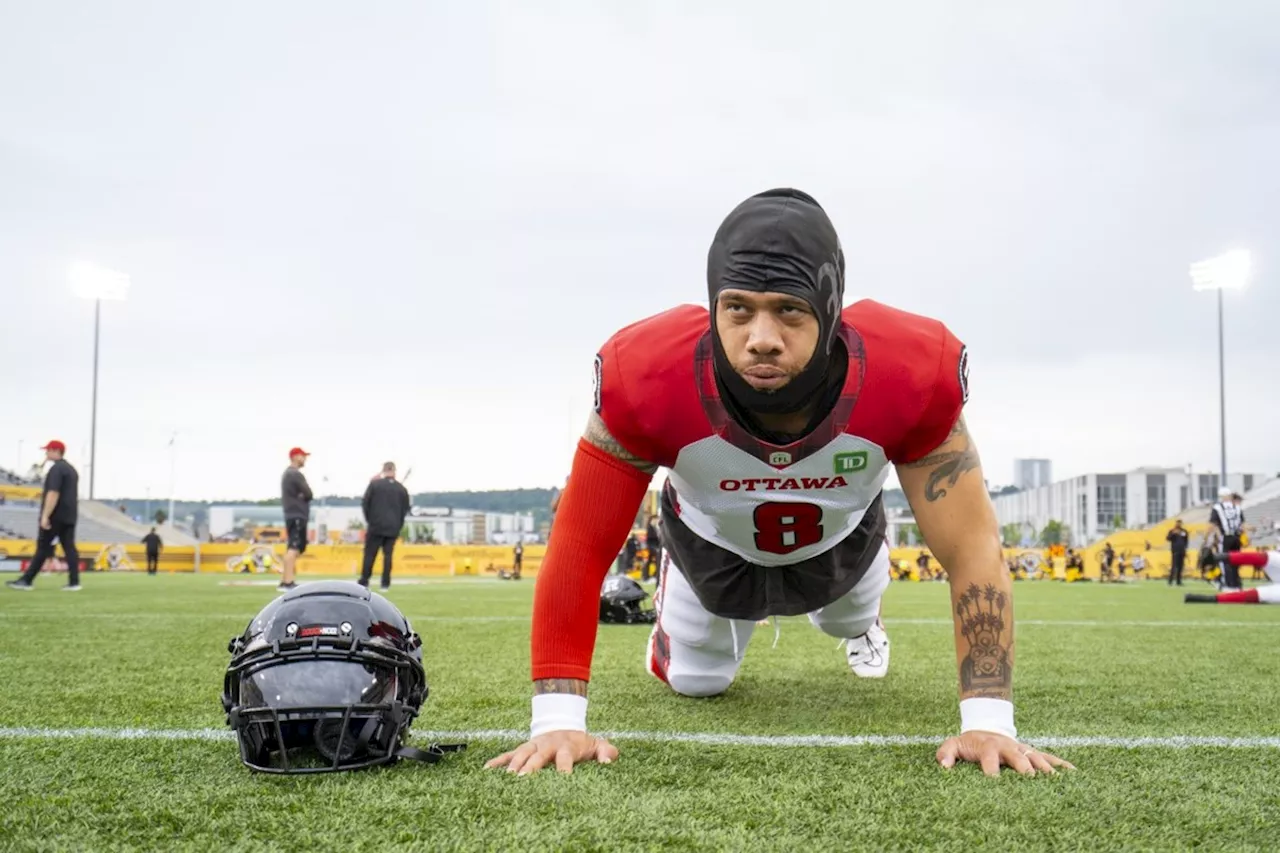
x=698, y=653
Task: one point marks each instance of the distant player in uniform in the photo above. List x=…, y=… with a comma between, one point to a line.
x=778, y=415
x=1268, y=561
x=517, y=561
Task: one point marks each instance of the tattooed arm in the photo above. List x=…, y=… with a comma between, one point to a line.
x=949, y=499
x=598, y=435
x=603, y=493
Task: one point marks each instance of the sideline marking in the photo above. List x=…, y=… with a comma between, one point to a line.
x=706, y=738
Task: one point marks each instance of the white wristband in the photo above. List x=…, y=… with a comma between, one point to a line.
x=987, y=715
x=554, y=712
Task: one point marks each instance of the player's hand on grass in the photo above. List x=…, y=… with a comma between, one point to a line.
x=993, y=751
x=559, y=749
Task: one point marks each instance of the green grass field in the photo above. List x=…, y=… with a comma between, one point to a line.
x=1103, y=663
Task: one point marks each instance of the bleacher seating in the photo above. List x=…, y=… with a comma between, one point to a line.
x=1262, y=513
x=23, y=522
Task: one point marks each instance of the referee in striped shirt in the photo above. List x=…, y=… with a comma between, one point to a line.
x=1228, y=518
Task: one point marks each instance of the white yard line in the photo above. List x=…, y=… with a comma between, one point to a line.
x=1107, y=623
x=890, y=621
x=706, y=738
x=188, y=617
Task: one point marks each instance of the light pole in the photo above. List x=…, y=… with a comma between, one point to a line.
x=1229, y=271
x=96, y=283
x=173, y=467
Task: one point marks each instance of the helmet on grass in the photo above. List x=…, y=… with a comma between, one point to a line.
x=326, y=677
x=624, y=602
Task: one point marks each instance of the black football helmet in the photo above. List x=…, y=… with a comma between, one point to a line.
x=624, y=602
x=327, y=677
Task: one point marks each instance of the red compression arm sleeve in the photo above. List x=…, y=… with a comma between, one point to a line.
x=595, y=515
x=1247, y=558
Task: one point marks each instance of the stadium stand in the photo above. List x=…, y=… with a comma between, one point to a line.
x=1262, y=513
x=98, y=523
x=126, y=529
x=23, y=522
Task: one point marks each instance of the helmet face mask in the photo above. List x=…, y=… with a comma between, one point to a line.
x=625, y=602
x=327, y=677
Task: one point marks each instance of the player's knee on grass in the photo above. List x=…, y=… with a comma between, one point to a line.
x=699, y=685
x=853, y=614
x=845, y=626
x=706, y=669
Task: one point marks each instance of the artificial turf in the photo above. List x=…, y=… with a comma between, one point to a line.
x=132, y=651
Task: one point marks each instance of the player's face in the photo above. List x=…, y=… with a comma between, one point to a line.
x=768, y=337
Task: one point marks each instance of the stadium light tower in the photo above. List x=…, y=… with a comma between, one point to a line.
x=97, y=283
x=1229, y=271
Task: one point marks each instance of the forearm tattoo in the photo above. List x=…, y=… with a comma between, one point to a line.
x=598, y=434
x=572, y=686
x=952, y=459
x=986, y=669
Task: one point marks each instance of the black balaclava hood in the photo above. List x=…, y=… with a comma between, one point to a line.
x=779, y=241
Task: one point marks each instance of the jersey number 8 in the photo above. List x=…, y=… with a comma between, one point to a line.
x=785, y=527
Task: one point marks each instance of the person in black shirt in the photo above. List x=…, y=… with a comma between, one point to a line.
x=58, y=508
x=295, y=500
x=627, y=561
x=517, y=561
x=1177, y=538
x=386, y=503
x=153, y=543
x=653, y=548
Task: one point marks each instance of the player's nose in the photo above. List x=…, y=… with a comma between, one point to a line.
x=763, y=336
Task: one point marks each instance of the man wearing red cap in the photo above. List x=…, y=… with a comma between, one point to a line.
x=295, y=499
x=58, y=509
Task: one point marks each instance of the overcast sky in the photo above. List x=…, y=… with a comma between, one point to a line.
x=402, y=230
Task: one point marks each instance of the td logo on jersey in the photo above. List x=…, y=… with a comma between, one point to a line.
x=850, y=461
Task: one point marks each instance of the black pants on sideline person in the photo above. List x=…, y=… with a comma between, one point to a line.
x=64, y=534
x=153, y=563
x=1230, y=573
x=372, y=544
x=1175, y=570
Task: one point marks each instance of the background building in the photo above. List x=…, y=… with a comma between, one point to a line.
x=1093, y=505
x=1032, y=473
x=445, y=525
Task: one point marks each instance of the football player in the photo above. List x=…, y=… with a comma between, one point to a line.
x=1268, y=561
x=778, y=415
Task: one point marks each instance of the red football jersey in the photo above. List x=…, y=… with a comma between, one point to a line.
x=736, y=505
